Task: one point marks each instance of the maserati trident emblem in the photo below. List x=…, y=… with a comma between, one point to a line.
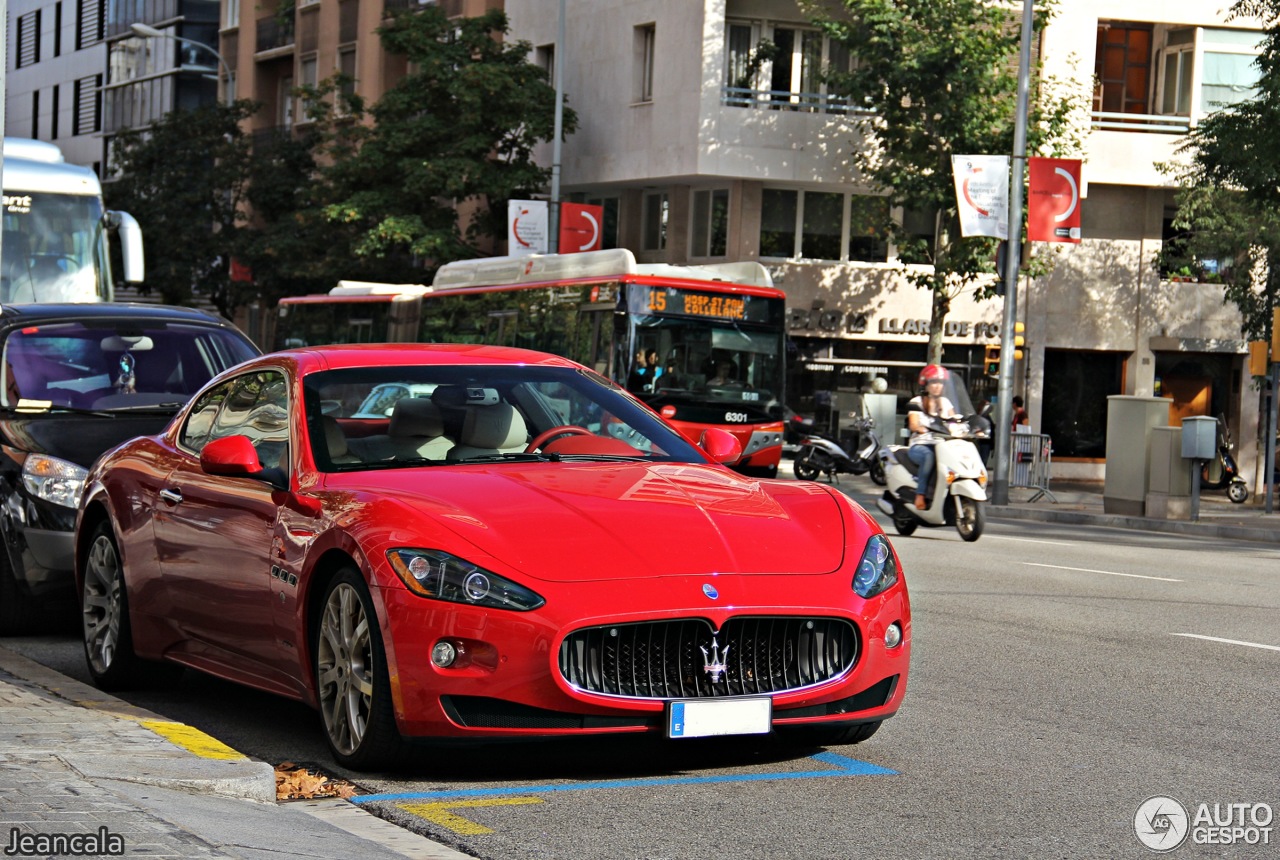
x=714, y=664
x=710, y=591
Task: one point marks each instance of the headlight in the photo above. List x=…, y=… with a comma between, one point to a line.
x=53, y=480
x=442, y=576
x=877, y=570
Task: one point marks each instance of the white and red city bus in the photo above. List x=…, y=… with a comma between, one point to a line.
x=718, y=330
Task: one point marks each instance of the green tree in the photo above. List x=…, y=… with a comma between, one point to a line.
x=185, y=178
x=938, y=78
x=1229, y=195
x=455, y=134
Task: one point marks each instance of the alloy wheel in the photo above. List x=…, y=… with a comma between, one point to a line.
x=344, y=665
x=103, y=604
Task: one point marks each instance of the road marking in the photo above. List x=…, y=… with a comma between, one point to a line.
x=1229, y=641
x=1035, y=540
x=1105, y=572
x=438, y=813
x=192, y=740
x=840, y=766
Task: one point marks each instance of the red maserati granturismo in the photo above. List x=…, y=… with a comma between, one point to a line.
x=512, y=547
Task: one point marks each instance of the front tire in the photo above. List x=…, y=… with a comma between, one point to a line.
x=805, y=468
x=905, y=524
x=971, y=519
x=352, y=683
x=877, y=472
x=108, y=637
x=1238, y=492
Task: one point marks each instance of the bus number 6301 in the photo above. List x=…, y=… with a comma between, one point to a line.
x=736, y=418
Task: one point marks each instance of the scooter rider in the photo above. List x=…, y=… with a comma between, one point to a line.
x=932, y=403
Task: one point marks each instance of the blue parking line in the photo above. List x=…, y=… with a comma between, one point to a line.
x=840, y=766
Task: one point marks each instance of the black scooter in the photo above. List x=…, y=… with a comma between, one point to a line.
x=1222, y=472
x=856, y=453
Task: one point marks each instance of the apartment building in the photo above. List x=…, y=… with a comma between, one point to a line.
x=698, y=160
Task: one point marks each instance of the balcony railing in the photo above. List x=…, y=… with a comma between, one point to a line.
x=1112, y=121
x=274, y=33
x=745, y=97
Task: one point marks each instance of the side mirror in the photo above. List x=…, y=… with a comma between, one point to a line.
x=720, y=445
x=231, y=457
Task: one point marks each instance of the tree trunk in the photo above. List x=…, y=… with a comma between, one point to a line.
x=937, y=323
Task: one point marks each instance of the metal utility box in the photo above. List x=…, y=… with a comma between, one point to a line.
x=1199, y=438
x=1130, y=421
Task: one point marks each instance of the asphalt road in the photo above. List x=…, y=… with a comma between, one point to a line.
x=1061, y=676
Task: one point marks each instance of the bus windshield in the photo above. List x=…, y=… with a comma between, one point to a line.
x=707, y=361
x=54, y=249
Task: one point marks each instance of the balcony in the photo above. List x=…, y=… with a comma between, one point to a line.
x=745, y=97
x=274, y=35
x=1155, y=123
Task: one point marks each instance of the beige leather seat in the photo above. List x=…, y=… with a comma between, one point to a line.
x=336, y=442
x=496, y=429
x=417, y=430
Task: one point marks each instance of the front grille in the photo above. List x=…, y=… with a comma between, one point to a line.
x=664, y=659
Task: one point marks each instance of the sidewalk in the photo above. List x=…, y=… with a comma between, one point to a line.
x=78, y=763
x=1081, y=503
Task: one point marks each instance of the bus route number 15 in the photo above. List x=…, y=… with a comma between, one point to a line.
x=657, y=300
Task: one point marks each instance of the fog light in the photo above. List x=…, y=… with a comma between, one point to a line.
x=444, y=654
x=892, y=636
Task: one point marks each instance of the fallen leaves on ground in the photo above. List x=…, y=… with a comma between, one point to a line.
x=295, y=782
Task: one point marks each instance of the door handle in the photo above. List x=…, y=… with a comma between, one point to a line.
x=173, y=497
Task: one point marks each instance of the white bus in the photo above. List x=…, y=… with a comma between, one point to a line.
x=55, y=230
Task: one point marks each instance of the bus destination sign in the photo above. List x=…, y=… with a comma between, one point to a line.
x=692, y=303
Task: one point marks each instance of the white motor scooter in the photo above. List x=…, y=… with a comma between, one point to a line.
x=959, y=494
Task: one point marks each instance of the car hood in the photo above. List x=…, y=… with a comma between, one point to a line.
x=576, y=522
x=76, y=437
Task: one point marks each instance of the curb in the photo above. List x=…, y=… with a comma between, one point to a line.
x=214, y=769
x=1261, y=533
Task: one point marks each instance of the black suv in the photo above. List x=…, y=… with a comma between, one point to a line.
x=75, y=381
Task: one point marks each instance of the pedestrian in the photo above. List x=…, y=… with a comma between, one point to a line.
x=1019, y=414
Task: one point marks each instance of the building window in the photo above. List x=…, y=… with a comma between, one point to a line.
x=545, y=58
x=347, y=68
x=348, y=21
x=644, y=57
x=87, y=118
x=782, y=67
x=28, y=40
x=53, y=112
x=1121, y=70
x=285, y=101
x=35, y=114
x=656, y=211
x=90, y=22
x=57, y=29
x=608, y=229
x=231, y=14
x=778, y=208
x=1228, y=74
x=1175, y=73
x=823, y=225
x=868, y=219
x=710, y=223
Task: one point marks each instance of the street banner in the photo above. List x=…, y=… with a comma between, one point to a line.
x=982, y=194
x=526, y=227
x=580, y=227
x=1053, y=200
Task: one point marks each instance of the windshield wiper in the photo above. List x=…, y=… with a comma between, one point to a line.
x=510, y=458
x=43, y=407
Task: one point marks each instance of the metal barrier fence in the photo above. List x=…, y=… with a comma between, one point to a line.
x=1030, y=455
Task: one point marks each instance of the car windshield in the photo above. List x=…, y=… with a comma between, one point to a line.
x=116, y=364
x=443, y=414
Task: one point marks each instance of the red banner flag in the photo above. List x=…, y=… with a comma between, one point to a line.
x=1053, y=200
x=580, y=227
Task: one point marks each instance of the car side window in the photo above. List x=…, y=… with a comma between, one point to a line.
x=255, y=405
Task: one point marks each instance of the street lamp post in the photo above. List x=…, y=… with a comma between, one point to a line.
x=146, y=30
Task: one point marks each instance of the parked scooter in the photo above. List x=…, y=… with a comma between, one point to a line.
x=860, y=455
x=1222, y=472
x=958, y=496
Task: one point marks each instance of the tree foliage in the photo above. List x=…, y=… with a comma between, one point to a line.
x=457, y=131
x=340, y=197
x=1229, y=195
x=939, y=78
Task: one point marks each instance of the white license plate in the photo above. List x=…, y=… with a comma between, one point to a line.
x=701, y=718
